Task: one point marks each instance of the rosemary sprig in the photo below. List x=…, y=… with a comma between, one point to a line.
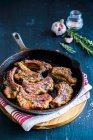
x=85, y=43
x=68, y=48
x=86, y=40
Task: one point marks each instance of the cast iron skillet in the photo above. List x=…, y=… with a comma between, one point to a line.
x=56, y=58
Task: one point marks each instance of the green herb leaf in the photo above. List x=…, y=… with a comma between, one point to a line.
x=85, y=43
x=68, y=48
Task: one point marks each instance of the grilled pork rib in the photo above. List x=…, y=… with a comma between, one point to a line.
x=64, y=74
x=10, y=78
x=41, y=87
x=28, y=75
x=41, y=65
x=11, y=88
x=28, y=101
x=64, y=94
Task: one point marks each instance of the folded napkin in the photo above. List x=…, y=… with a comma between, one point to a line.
x=28, y=121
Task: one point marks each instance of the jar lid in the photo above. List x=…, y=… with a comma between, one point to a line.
x=75, y=13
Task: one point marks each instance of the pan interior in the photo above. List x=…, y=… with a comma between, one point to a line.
x=51, y=57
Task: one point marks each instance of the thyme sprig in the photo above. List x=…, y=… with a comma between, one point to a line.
x=68, y=48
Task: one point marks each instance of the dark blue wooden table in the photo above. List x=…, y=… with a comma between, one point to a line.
x=33, y=19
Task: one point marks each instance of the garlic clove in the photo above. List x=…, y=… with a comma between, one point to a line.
x=68, y=40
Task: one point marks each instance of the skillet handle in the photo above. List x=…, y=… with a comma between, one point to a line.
x=19, y=41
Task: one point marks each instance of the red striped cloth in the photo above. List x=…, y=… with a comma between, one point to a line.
x=28, y=121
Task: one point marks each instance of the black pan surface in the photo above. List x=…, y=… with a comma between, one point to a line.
x=56, y=58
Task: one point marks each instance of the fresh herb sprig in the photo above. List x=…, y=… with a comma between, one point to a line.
x=68, y=48
x=85, y=43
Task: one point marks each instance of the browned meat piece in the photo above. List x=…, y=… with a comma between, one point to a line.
x=41, y=101
x=23, y=99
x=11, y=88
x=26, y=74
x=30, y=76
x=64, y=74
x=9, y=92
x=41, y=87
x=64, y=95
x=27, y=101
x=41, y=65
x=10, y=78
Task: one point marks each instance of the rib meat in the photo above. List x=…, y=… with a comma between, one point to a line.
x=23, y=99
x=30, y=76
x=64, y=74
x=41, y=101
x=41, y=87
x=41, y=65
x=11, y=88
x=28, y=101
x=10, y=78
x=9, y=92
x=26, y=74
x=64, y=94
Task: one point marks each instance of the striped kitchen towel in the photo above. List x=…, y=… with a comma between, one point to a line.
x=28, y=121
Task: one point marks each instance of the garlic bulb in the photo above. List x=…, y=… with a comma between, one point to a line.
x=58, y=27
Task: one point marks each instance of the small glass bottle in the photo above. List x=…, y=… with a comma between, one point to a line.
x=74, y=21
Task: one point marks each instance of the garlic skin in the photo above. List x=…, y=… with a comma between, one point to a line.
x=68, y=39
x=58, y=27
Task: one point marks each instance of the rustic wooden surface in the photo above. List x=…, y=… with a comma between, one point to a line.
x=63, y=119
x=59, y=121
x=33, y=19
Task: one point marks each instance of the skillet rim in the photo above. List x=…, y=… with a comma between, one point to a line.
x=48, y=111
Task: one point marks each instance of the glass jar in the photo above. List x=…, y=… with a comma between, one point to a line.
x=74, y=21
